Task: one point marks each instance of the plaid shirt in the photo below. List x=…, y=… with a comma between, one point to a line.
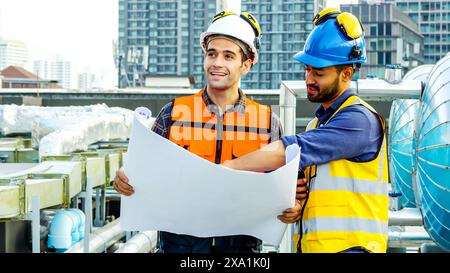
x=164, y=118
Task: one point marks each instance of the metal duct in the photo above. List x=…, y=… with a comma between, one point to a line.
x=432, y=153
x=419, y=73
x=401, y=131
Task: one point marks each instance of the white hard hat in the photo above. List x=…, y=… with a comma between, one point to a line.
x=237, y=26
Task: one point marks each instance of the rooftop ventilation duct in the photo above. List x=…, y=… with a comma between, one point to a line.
x=432, y=153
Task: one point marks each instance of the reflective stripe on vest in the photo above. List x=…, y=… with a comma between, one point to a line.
x=345, y=224
x=344, y=184
x=348, y=202
x=215, y=138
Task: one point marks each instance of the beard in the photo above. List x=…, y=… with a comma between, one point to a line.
x=326, y=94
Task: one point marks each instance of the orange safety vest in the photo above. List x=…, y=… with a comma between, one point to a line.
x=214, y=138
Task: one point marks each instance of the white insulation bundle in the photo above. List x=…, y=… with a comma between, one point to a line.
x=62, y=130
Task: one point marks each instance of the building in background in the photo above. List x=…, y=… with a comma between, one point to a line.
x=13, y=52
x=42, y=68
x=88, y=81
x=285, y=26
x=62, y=72
x=433, y=18
x=391, y=38
x=18, y=77
x=56, y=69
x=319, y=5
x=162, y=38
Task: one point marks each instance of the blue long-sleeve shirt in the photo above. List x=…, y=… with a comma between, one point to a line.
x=355, y=133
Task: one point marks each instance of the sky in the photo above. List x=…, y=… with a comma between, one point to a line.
x=81, y=31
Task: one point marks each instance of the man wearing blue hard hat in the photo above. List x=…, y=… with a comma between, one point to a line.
x=343, y=151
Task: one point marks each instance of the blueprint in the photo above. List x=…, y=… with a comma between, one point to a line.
x=180, y=192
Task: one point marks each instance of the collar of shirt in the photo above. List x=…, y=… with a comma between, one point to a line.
x=238, y=107
x=323, y=115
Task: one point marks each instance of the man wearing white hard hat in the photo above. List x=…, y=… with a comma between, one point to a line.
x=218, y=123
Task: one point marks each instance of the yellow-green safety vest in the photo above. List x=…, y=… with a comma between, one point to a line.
x=348, y=201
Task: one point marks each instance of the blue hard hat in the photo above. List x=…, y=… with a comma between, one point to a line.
x=327, y=45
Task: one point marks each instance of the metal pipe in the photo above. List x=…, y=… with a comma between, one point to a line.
x=101, y=239
x=143, y=242
x=288, y=103
x=408, y=236
x=103, y=206
x=369, y=89
x=408, y=239
x=36, y=223
x=97, y=221
x=88, y=213
x=112, y=194
x=406, y=217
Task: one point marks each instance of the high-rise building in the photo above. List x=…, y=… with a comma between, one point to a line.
x=87, y=81
x=391, y=38
x=319, y=5
x=62, y=72
x=13, y=53
x=160, y=38
x=285, y=25
x=42, y=68
x=55, y=69
x=433, y=18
